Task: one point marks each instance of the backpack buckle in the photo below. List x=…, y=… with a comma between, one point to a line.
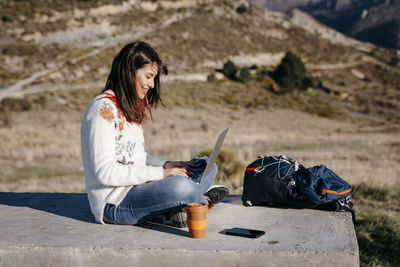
x=247, y=203
x=259, y=169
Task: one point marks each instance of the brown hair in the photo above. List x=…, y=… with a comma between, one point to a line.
x=132, y=57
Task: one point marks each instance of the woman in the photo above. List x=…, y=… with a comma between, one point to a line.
x=125, y=185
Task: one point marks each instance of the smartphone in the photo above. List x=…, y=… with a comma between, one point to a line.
x=245, y=232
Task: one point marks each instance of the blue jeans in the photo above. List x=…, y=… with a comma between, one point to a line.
x=148, y=200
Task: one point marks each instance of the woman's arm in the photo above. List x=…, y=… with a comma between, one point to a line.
x=155, y=161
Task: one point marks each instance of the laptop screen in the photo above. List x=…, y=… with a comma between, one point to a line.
x=214, y=154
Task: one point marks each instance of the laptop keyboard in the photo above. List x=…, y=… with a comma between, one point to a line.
x=198, y=171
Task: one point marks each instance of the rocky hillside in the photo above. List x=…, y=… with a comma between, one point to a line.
x=375, y=21
x=282, y=5
x=57, y=45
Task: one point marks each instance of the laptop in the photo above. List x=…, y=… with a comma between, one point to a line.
x=198, y=177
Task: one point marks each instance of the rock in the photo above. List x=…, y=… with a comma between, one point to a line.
x=149, y=6
x=358, y=74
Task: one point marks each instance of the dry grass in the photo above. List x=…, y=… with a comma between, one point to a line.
x=355, y=153
x=40, y=151
x=377, y=224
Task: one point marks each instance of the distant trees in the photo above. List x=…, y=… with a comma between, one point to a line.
x=291, y=73
x=233, y=72
x=230, y=70
x=394, y=61
x=241, y=9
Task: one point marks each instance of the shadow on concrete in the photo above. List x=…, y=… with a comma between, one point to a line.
x=165, y=229
x=233, y=199
x=237, y=200
x=223, y=232
x=70, y=205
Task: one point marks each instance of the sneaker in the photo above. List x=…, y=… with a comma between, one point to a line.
x=172, y=218
x=215, y=194
x=179, y=219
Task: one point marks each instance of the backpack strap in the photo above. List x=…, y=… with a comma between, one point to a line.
x=326, y=191
x=294, y=164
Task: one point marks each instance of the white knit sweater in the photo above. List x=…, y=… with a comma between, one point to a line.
x=113, y=155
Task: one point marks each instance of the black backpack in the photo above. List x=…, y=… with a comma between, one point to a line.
x=281, y=180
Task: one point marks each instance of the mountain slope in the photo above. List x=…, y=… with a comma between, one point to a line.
x=375, y=21
x=70, y=46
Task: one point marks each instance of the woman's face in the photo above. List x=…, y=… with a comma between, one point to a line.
x=144, y=79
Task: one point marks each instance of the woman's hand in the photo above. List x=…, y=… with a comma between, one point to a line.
x=179, y=168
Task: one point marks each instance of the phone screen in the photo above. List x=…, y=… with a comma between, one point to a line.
x=245, y=232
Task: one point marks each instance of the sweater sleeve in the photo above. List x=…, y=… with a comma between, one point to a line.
x=101, y=138
x=155, y=161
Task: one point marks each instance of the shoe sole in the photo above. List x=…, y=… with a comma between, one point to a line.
x=217, y=194
x=178, y=220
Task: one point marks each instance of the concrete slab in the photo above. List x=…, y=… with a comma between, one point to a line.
x=48, y=229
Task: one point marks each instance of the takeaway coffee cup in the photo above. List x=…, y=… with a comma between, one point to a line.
x=196, y=219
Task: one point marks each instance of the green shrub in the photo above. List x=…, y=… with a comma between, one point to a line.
x=241, y=9
x=291, y=74
x=377, y=224
x=211, y=77
x=244, y=75
x=378, y=240
x=267, y=82
x=325, y=111
x=230, y=70
x=229, y=168
x=15, y=104
x=364, y=191
x=394, y=61
x=234, y=73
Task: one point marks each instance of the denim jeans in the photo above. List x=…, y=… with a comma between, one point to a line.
x=148, y=200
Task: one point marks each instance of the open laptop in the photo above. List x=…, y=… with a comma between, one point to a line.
x=213, y=157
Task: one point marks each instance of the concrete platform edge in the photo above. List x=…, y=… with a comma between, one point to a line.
x=107, y=256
